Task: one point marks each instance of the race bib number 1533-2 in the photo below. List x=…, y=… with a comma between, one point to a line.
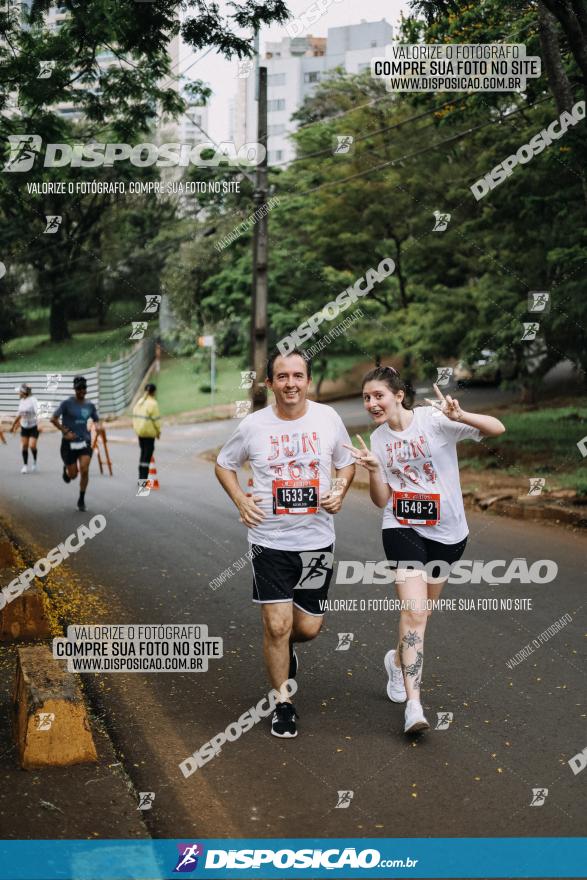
x=296, y=496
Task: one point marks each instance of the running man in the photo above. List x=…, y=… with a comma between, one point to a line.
x=292, y=446
x=414, y=474
x=27, y=418
x=76, y=447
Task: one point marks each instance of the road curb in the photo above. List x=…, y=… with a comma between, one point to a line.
x=50, y=723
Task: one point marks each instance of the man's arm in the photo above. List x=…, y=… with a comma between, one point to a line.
x=65, y=431
x=250, y=514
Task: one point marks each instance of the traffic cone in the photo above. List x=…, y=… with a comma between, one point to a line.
x=153, y=482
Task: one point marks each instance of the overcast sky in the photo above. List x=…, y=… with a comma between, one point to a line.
x=221, y=75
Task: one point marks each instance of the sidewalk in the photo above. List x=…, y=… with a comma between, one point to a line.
x=84, y=801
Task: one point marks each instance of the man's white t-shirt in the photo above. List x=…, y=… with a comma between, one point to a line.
x=28, y=409
x=423, y=458
x=289, y=449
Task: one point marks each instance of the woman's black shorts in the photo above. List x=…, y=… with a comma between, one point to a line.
x=29, y=432
x=408, y=549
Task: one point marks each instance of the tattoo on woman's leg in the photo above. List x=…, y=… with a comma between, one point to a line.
x=411, y=639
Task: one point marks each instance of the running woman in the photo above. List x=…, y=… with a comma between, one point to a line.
x=27, y=418
x=414, y=474
x=76, y=447
x=292, y=446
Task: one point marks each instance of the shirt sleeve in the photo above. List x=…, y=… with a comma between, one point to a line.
x=94, y=414
x=455, y=431
x=60, y=410
x=235, y=451
x=341, y=457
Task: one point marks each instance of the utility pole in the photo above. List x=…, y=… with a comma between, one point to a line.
x=260, y=248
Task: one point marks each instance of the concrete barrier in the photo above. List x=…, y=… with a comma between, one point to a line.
x=51, y=724
x=25, y=618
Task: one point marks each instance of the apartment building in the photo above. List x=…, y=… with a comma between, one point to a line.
x=295, y=66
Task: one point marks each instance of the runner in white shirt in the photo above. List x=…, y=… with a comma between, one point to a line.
x=292, y=447
x=27, y=418
x=414, y=474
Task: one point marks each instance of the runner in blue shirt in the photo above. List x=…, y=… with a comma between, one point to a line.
x=76, y=447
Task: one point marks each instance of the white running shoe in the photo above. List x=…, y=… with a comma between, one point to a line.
x=396, y=689
x=415, y=718
x=33, y=467
x=24, y=469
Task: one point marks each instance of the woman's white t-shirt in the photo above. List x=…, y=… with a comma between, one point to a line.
x=28, y=409
x=423, y=459
x=296, y=449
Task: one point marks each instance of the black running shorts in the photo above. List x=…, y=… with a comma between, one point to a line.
x=70, y=456
x=290, y=576
x=29, y=432
x=408, y=549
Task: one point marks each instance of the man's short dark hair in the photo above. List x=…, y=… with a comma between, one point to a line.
x=80, y=382
x=276, y=353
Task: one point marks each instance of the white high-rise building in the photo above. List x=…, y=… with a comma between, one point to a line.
x=294, y=68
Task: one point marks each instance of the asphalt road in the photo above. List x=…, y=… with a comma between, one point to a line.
x=513, y=730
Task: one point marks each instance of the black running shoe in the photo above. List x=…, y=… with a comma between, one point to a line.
x=283, y=722
x=81, y=506
x=293, y=662
x=65, y=475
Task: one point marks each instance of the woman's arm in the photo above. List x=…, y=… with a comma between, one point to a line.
x=489, y=426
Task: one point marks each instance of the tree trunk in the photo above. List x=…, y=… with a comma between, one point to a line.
x=58, y=328
x=557, y=75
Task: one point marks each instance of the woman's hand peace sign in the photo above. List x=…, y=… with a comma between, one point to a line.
x=448, y=405
x=363, y=456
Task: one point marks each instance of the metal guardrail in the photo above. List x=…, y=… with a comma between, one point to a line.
x=111, y=385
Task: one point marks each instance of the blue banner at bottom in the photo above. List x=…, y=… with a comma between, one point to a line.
x=485, y=857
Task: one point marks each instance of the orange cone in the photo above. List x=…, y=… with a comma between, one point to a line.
x=153, y=482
